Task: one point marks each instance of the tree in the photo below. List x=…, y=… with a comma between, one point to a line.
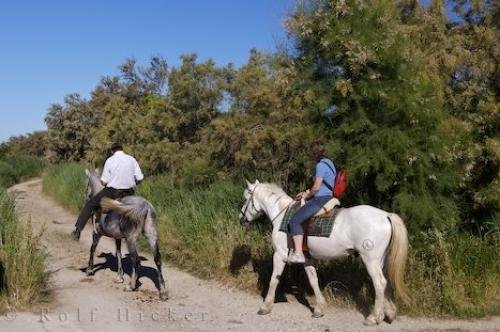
x=262, y=133
x=473, y=93
x=69, y=125
x=194, y=96
x=32, y=144
x=376, y=93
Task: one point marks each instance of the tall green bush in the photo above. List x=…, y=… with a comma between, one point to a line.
x=16, y=168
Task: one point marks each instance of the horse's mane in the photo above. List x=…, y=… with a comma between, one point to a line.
x=271, y=189
x=95, y=179
x=94, y=175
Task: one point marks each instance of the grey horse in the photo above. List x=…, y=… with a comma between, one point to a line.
x=125, y=219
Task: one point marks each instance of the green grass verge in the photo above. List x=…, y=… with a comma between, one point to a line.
x=22, y=262
x=66, y=183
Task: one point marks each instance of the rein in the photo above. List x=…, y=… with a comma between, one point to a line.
x=93, y=223
x=283, y=210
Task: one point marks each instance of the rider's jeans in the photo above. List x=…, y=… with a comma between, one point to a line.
x=305, y=212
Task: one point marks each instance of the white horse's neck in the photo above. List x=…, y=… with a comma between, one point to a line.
x=274, y=204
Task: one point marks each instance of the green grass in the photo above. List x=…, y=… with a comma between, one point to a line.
x=66, y=183
x=454, y=274
x=22, y=262
x=14, y=169
x=22, y=276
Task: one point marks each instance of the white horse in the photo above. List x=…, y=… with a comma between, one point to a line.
x=378, y=236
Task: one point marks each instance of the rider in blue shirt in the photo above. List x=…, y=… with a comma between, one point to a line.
x=318, y=195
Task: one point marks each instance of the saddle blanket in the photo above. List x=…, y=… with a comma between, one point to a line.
x=318, y=226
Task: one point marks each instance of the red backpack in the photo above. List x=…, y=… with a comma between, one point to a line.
x=339, y=183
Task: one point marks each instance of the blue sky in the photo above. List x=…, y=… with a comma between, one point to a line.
x=51, y=48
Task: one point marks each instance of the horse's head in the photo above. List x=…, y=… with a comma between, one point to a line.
x=92, y=183
x=251, y=208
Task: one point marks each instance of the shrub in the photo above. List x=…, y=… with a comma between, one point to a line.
x=22, y=262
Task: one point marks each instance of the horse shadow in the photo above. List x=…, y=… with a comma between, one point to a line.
x=111, y=263
x=335, y=278
x=263, y=267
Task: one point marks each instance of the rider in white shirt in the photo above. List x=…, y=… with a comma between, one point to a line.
x=121, y=171
x=120, y=175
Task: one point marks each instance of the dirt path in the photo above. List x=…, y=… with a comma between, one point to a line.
x=80, y=303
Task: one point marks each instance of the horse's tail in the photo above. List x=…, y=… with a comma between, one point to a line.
x=397, y=255
x=134, y=212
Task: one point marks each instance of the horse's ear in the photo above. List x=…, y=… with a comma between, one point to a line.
x=87, y=172
x=248, y=184
x=257, y=182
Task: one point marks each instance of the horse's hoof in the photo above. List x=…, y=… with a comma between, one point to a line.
x=128, y=288
x=119, y=280
x=89, y=273
x=390, y=315
x=370, y=321
x=264, y=311
x=163, y=296
x=317, y=313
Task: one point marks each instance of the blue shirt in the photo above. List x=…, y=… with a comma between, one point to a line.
x=328, y=174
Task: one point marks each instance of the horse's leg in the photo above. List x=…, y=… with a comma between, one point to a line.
x=119, y=278
x=156, y=254
x=151, y=233
x=390, y=308
x=134, y=257
x=379, y=283
x=313, y=281
x=95, y=241
x=278, y=266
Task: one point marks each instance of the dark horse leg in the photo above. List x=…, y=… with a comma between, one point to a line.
x=119, y=278
x=134, y=257
x=95, y=241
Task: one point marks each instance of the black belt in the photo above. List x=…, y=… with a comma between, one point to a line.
x=120, y=193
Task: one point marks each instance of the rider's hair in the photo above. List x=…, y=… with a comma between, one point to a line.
x=116, y=147
x=317, y=149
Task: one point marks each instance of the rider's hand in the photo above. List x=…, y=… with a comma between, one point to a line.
x=299, y=196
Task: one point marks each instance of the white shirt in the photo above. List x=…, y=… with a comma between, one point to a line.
x=121, y=171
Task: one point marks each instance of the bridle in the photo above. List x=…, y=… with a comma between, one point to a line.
x=243, y=220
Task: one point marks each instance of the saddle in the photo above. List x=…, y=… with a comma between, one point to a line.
x=319, y=225
x=322, y=222
x=327, y=210
x=124, y=193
